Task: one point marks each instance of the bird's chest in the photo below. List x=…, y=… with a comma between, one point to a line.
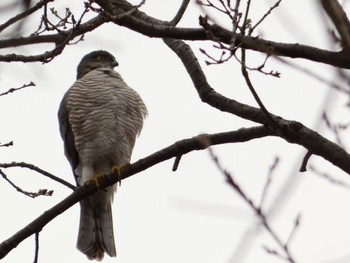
x=97, y=118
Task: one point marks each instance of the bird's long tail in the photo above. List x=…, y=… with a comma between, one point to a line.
x=96, y=227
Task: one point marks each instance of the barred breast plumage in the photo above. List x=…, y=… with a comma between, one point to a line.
x=106, y=115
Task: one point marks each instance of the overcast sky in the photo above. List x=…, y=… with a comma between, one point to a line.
x=191, y=215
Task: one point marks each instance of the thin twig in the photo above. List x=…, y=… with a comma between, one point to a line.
x=268, y=181
x=41, y=192
x=36, y=253
x=254, y=93
x=8, y=144
x=294, y=229
x=24, y=14
x=31, y=84
x=305, y=161
x=176, y=162
x=329, y=178
x=258, y=211
x=264, y=16
x=180, y=12
x=39, y=170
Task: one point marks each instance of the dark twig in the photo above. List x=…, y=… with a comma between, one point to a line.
x=38, y=170
x=305, y=161
x=24, y=14
x=36, y=253
x=264, y=16
x=336, y=12
x=8, y=144
x=255, y=94
x=41, y=192
x=31, y=84
x=176, y=162
x=180, y=12
x=59, y=39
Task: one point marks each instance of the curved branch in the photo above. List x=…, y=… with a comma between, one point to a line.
x=291, y=131
x=151, y=27
x=60, y=40
x=124, y=14
x=181, y=147
x=38, y=170
x=337, y=14
x=24, y=14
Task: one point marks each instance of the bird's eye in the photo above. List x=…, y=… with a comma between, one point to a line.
x=99, y=58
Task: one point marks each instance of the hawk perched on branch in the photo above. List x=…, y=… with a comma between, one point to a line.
x=99, y=117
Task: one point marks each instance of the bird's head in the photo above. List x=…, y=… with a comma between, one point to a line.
x=94, y=60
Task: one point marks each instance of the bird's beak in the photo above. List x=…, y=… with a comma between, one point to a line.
x=115, y=64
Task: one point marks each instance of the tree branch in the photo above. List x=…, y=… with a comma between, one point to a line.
x=24, y=14
x=60, y=40
x=38, y=170
x=125, y=14
x=178, y=148
x=151, y=27
x=30, y=84
x=340, y=20
x=291, y=131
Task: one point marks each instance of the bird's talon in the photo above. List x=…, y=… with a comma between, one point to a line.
x=117, y=169
x=95, y=180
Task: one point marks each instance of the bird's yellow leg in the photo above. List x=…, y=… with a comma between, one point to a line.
x=95, y=180
x=117, y=169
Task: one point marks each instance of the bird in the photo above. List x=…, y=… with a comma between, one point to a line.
x=99, y=118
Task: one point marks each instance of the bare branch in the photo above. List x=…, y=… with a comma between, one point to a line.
x=8, y=144
x=41, y=192
x=340, y=20
x=265, y=16
x=36, y=253
x=31, y=84
x=293, y=132
x=268, y=182
x=329, y=178
x=38, y=170
x=255, y=94
x=24, y=14
x=294, y=229
x=60, y=39
x=305, y=161
x=258, y=211
x=149, y=26
x=176, y=162
x=180, y=12
x=180, y=147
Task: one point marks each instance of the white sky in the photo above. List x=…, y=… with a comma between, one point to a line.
x=191, y=215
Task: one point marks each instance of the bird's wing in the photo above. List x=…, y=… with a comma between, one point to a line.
x=67, y=135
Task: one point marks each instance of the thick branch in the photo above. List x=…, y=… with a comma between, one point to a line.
x=59, y=39
x=291, y=131
x=336, y=12
x=149, y=26
x=124, y=14
x=178, y=148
